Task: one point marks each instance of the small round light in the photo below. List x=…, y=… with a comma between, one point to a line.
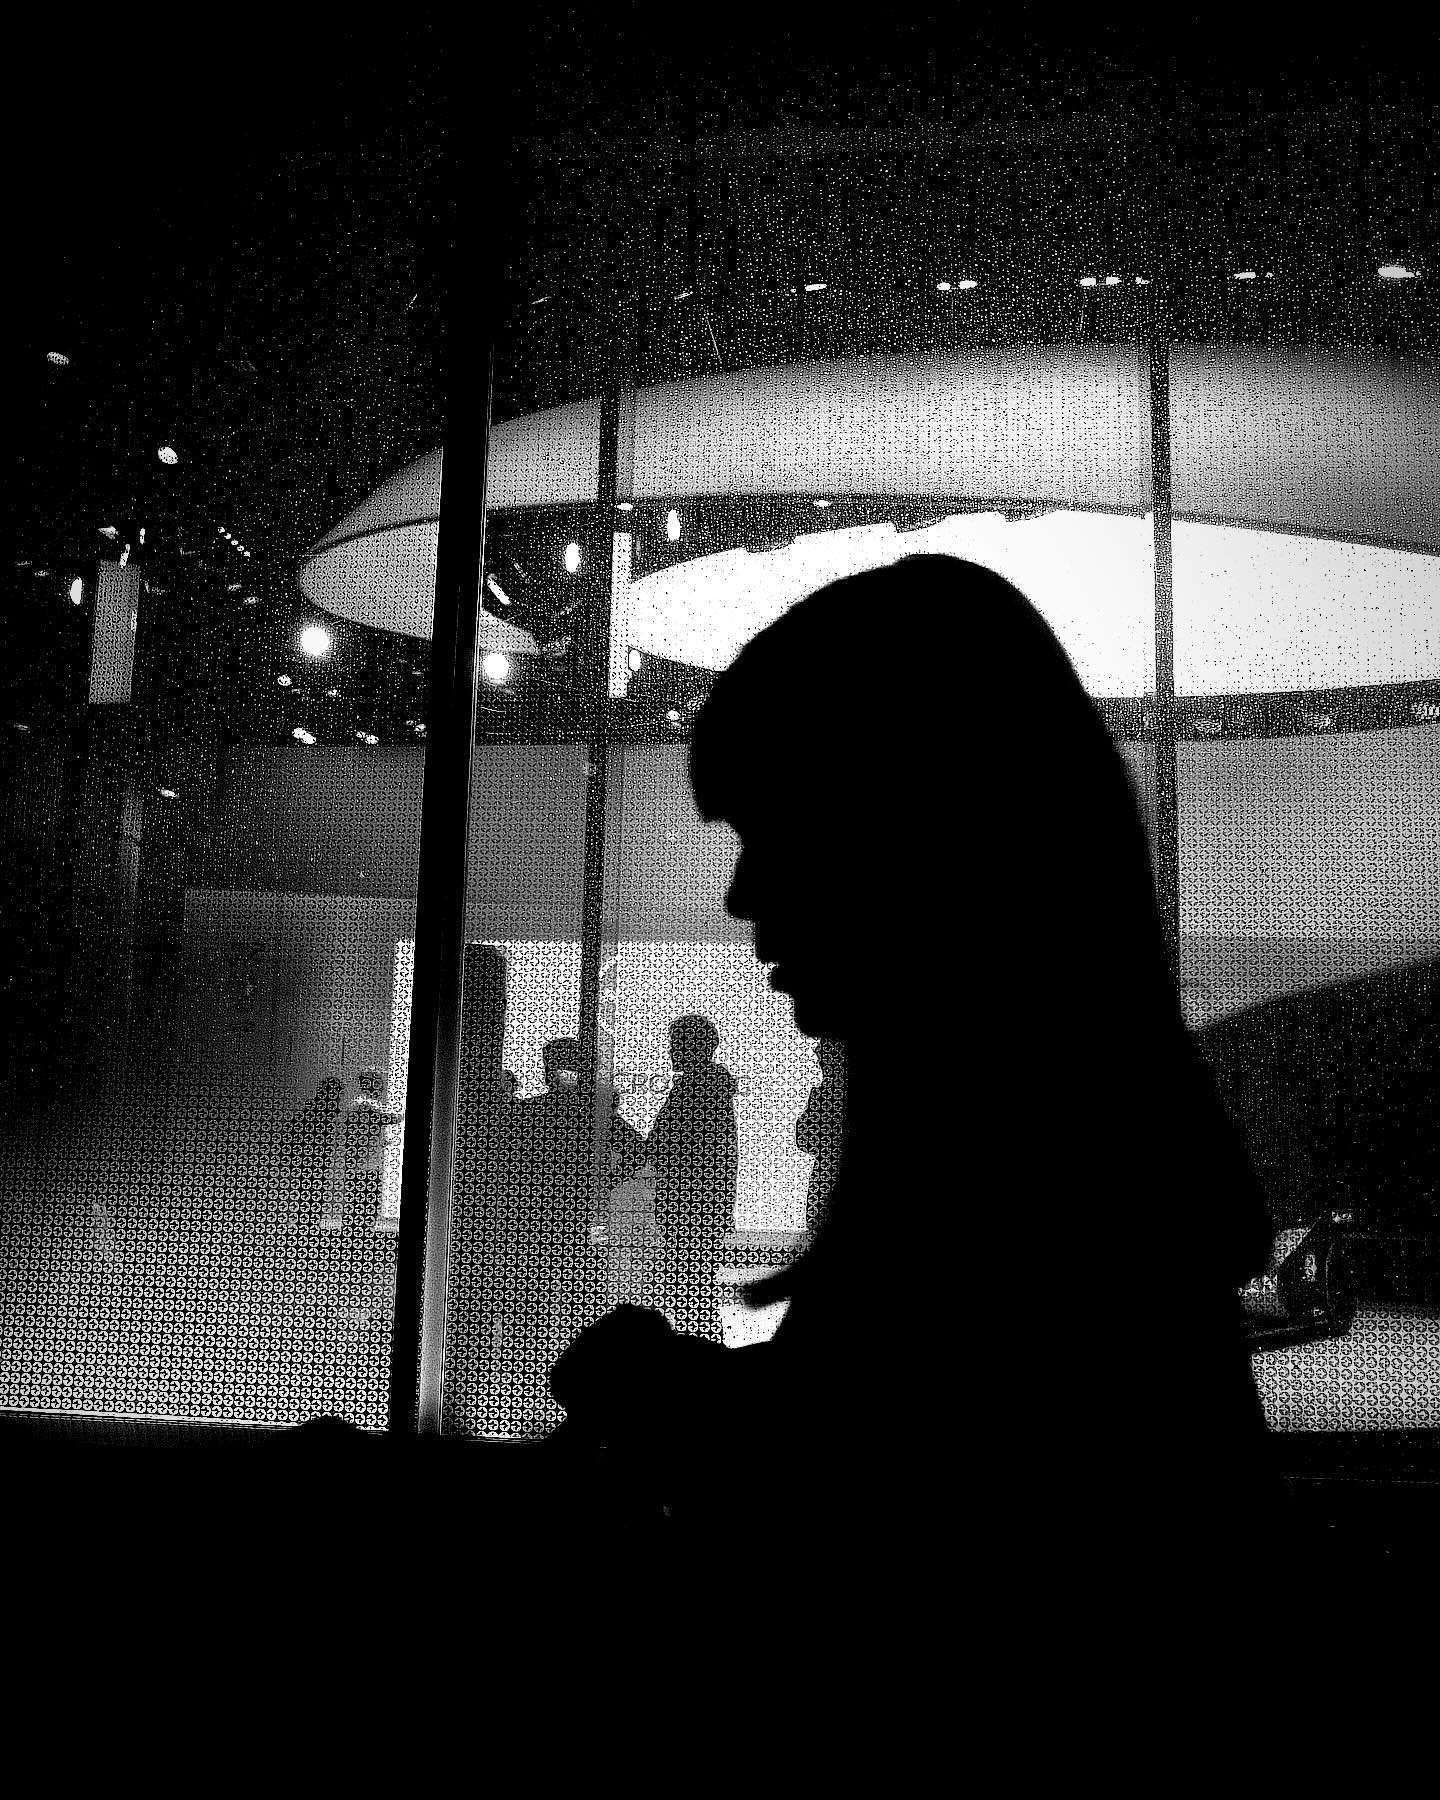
x=672, y=526
x=252, y=599
x=315, y=640
x=283, y=681
x=332, y=693
x=496, y=665
x=77, y=592
x=634, y=659
x=302, y=736
x=167, y=456
x=626, y=506
x=673, y=716
x=234, y=587
x=168, y=794
x=942, y=287
x=58, y=357
x=572, y=558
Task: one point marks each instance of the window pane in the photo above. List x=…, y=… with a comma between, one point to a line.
x=212, y=791
x=1306, y=589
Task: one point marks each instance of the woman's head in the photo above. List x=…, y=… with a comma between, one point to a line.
x=931, y=812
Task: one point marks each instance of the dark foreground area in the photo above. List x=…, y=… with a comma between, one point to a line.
x=117, y=1507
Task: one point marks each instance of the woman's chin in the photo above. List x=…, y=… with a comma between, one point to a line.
x=814, y=1017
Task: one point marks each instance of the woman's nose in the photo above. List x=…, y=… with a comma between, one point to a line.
x=737, y=895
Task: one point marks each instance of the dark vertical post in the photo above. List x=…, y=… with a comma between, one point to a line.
x=418, y=1345
x=598, y=928
x=1156, y=347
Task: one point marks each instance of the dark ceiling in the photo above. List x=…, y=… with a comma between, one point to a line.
x=236, y=234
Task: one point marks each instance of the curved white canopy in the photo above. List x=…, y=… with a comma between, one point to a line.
x=1305, y=484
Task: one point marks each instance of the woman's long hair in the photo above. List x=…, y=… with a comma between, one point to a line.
x=928, y=711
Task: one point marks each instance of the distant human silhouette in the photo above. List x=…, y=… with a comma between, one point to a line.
x=553, y=1178
x=312, y=1145
x=364, y=1132
x=1009, y=1397
x=694, y=1147
x=820, y=1129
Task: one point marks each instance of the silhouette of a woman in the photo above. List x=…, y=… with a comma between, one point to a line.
x=1013, y=1352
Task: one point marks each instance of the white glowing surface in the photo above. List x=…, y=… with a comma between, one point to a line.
x=1255, y=611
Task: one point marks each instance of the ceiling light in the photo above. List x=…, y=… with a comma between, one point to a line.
x=967, y=284
x=58, y=357
x=315, y=640
x=673, y=716
x=942, y=287
x=1397, y=272
x=252, y=599
x=496, y=665
x=496, y=589
x=77, y=592
x=168, y=794
x=234, y=587
x=283, y=681
x=109, y=531
x=626, y=506
x=815, y=287
x=302, y=736
x=1243, y=275
x=633, y=659
x=332, y=693
x=672, y=526
x=1087, y=281
x=572, y=558
x=820, y=503
x=167, y=456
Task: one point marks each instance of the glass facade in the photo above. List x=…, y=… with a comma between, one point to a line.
x=1180, y=396
x=212, y=801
